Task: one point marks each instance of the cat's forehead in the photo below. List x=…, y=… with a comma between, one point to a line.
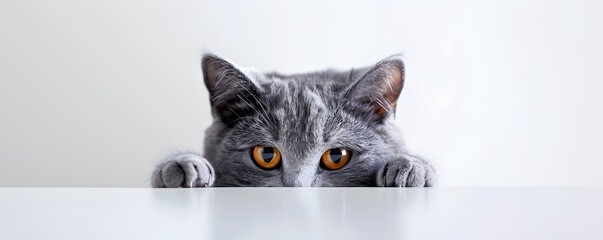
x=299, y=93
x=326, y=84
x=304, y=103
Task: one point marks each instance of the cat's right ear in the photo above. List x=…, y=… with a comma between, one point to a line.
x=231, y=92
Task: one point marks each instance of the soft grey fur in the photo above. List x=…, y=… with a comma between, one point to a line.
x=302, y=115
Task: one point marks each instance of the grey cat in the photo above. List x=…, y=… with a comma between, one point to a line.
x=321, y=129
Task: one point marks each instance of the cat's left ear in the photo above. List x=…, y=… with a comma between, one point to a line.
x=378, y=88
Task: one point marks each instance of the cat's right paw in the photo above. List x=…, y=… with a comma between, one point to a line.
x=186, y=170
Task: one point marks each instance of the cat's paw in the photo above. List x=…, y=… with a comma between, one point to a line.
x=185, y=170
x=408, y=171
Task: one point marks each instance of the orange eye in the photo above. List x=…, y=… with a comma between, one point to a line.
x=266, y=157
x=335, y=158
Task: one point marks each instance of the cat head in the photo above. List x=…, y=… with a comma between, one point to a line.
x=327, y=128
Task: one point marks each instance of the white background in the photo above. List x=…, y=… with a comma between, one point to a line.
x=498, y=93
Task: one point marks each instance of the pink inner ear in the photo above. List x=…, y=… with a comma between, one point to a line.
x=391, y=86
x=212, y=71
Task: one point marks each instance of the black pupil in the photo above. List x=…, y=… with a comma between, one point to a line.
x=336, y=154
x=267, y=154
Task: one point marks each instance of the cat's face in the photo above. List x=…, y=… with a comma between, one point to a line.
x=318, y=129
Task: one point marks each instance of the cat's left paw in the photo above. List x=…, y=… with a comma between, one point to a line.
x=408, y=171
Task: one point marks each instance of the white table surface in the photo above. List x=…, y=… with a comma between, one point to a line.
x=301, y=213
